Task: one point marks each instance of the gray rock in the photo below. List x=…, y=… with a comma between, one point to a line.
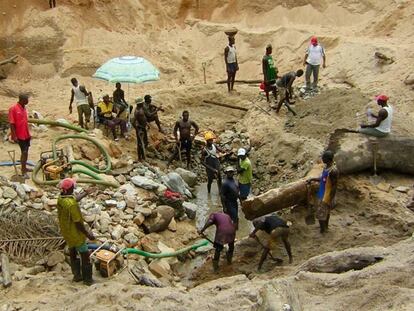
x=402, y=189
x=161, y=221
x=121, y=205
x=131, y=239
x=189, y=177
x=190, y=209
x=176, y=183
x=54, y=258
x=111, y=203
x=9, y=193
x=145, y=183
x=21, y=192
x=117, y=232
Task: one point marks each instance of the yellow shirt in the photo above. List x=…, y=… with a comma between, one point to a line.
x=106, y=110
x=69, y=214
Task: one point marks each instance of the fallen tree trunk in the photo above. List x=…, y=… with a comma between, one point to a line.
x=241, y=81
x=277, y=199
x=354, y=152
x=11, y=60
x=5, y=269
x=224, y=105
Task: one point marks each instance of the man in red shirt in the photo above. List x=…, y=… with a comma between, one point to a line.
x=19, y=128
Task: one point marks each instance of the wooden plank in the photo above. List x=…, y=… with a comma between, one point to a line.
x=224, y=105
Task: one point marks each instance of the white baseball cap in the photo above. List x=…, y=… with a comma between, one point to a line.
x=241, y=152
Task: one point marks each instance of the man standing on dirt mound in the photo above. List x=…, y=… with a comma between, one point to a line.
x=185, y=142
x=73, y=231
x=244, y=168
x=232, y=66
x=19, y=128
x=80, y=95
x=328, y=183
x=269, y=73
x=315, y=54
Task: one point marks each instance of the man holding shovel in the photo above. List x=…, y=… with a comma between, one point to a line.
x=225, y=234
x=19, y=128
x=276, y=228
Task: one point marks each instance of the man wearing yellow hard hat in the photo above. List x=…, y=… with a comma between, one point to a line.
x=210, y=160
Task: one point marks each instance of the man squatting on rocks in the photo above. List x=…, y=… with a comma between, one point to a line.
x=230, y=57
x=140, y=124
x=276, y=228
x=209, y=158
x=108, y=114
x=186, y=139
x=225, y=234
x=19, y=128
x=229, y=195
x=80, y=95
x=382, y=125
x=328, y=183
x=73, y=231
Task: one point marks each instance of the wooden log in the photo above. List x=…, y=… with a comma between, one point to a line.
x=277, y=199
x=5, y=269
x=224, y=105
x=241, y=81
x=11, y=60
x=354, y=152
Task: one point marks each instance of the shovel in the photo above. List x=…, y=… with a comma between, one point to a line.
x=16, y=177
x=375, y=179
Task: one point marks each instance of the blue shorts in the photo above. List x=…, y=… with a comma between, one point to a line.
x=244, y=190
x=232, y=67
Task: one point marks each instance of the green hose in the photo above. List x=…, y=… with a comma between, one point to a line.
x=57, y=123
x=95, y=142
x=164, y=255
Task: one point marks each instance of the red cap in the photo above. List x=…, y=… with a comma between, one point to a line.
x=67, y=183
x=382, y=97
x=314, y=40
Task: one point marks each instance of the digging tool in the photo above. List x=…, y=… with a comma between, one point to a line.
x=207, y=238
x=16, y=177
x=375, y=179
x=270, y=254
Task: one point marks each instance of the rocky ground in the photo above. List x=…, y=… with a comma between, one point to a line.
x=365, y=260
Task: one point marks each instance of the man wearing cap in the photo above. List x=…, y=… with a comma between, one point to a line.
x=232, y=66
x=225, y=234
x=328, y=183
x=80, y=95
x=108, y=115
x=244, y=168
x=74, y=232
x=285, y=86
x=276, y=228
x=185, y=141
x=229, y=195
x=151, y=112
x=209, y=158
x=19, y=128
x=140, y=124
x=315, y=54
x=270, y=73
x=382, y=125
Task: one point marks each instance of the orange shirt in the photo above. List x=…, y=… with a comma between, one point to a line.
x=18, y=117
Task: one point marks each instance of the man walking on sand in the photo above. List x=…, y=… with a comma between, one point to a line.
x=269, y=73
x=80, y=95
x=230, y=57
x=19, y=127
x=74, y=232
x=314, y=56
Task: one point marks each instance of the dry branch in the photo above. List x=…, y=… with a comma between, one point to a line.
x=11, y=60
x=224, y=105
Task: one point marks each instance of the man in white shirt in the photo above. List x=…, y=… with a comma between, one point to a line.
x=232, y=66
x=80, y=95
x=315, y=55
x=382, y=125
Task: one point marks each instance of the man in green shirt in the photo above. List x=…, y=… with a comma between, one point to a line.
x=270, y=73
x=73, y=231
x=244, y=168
